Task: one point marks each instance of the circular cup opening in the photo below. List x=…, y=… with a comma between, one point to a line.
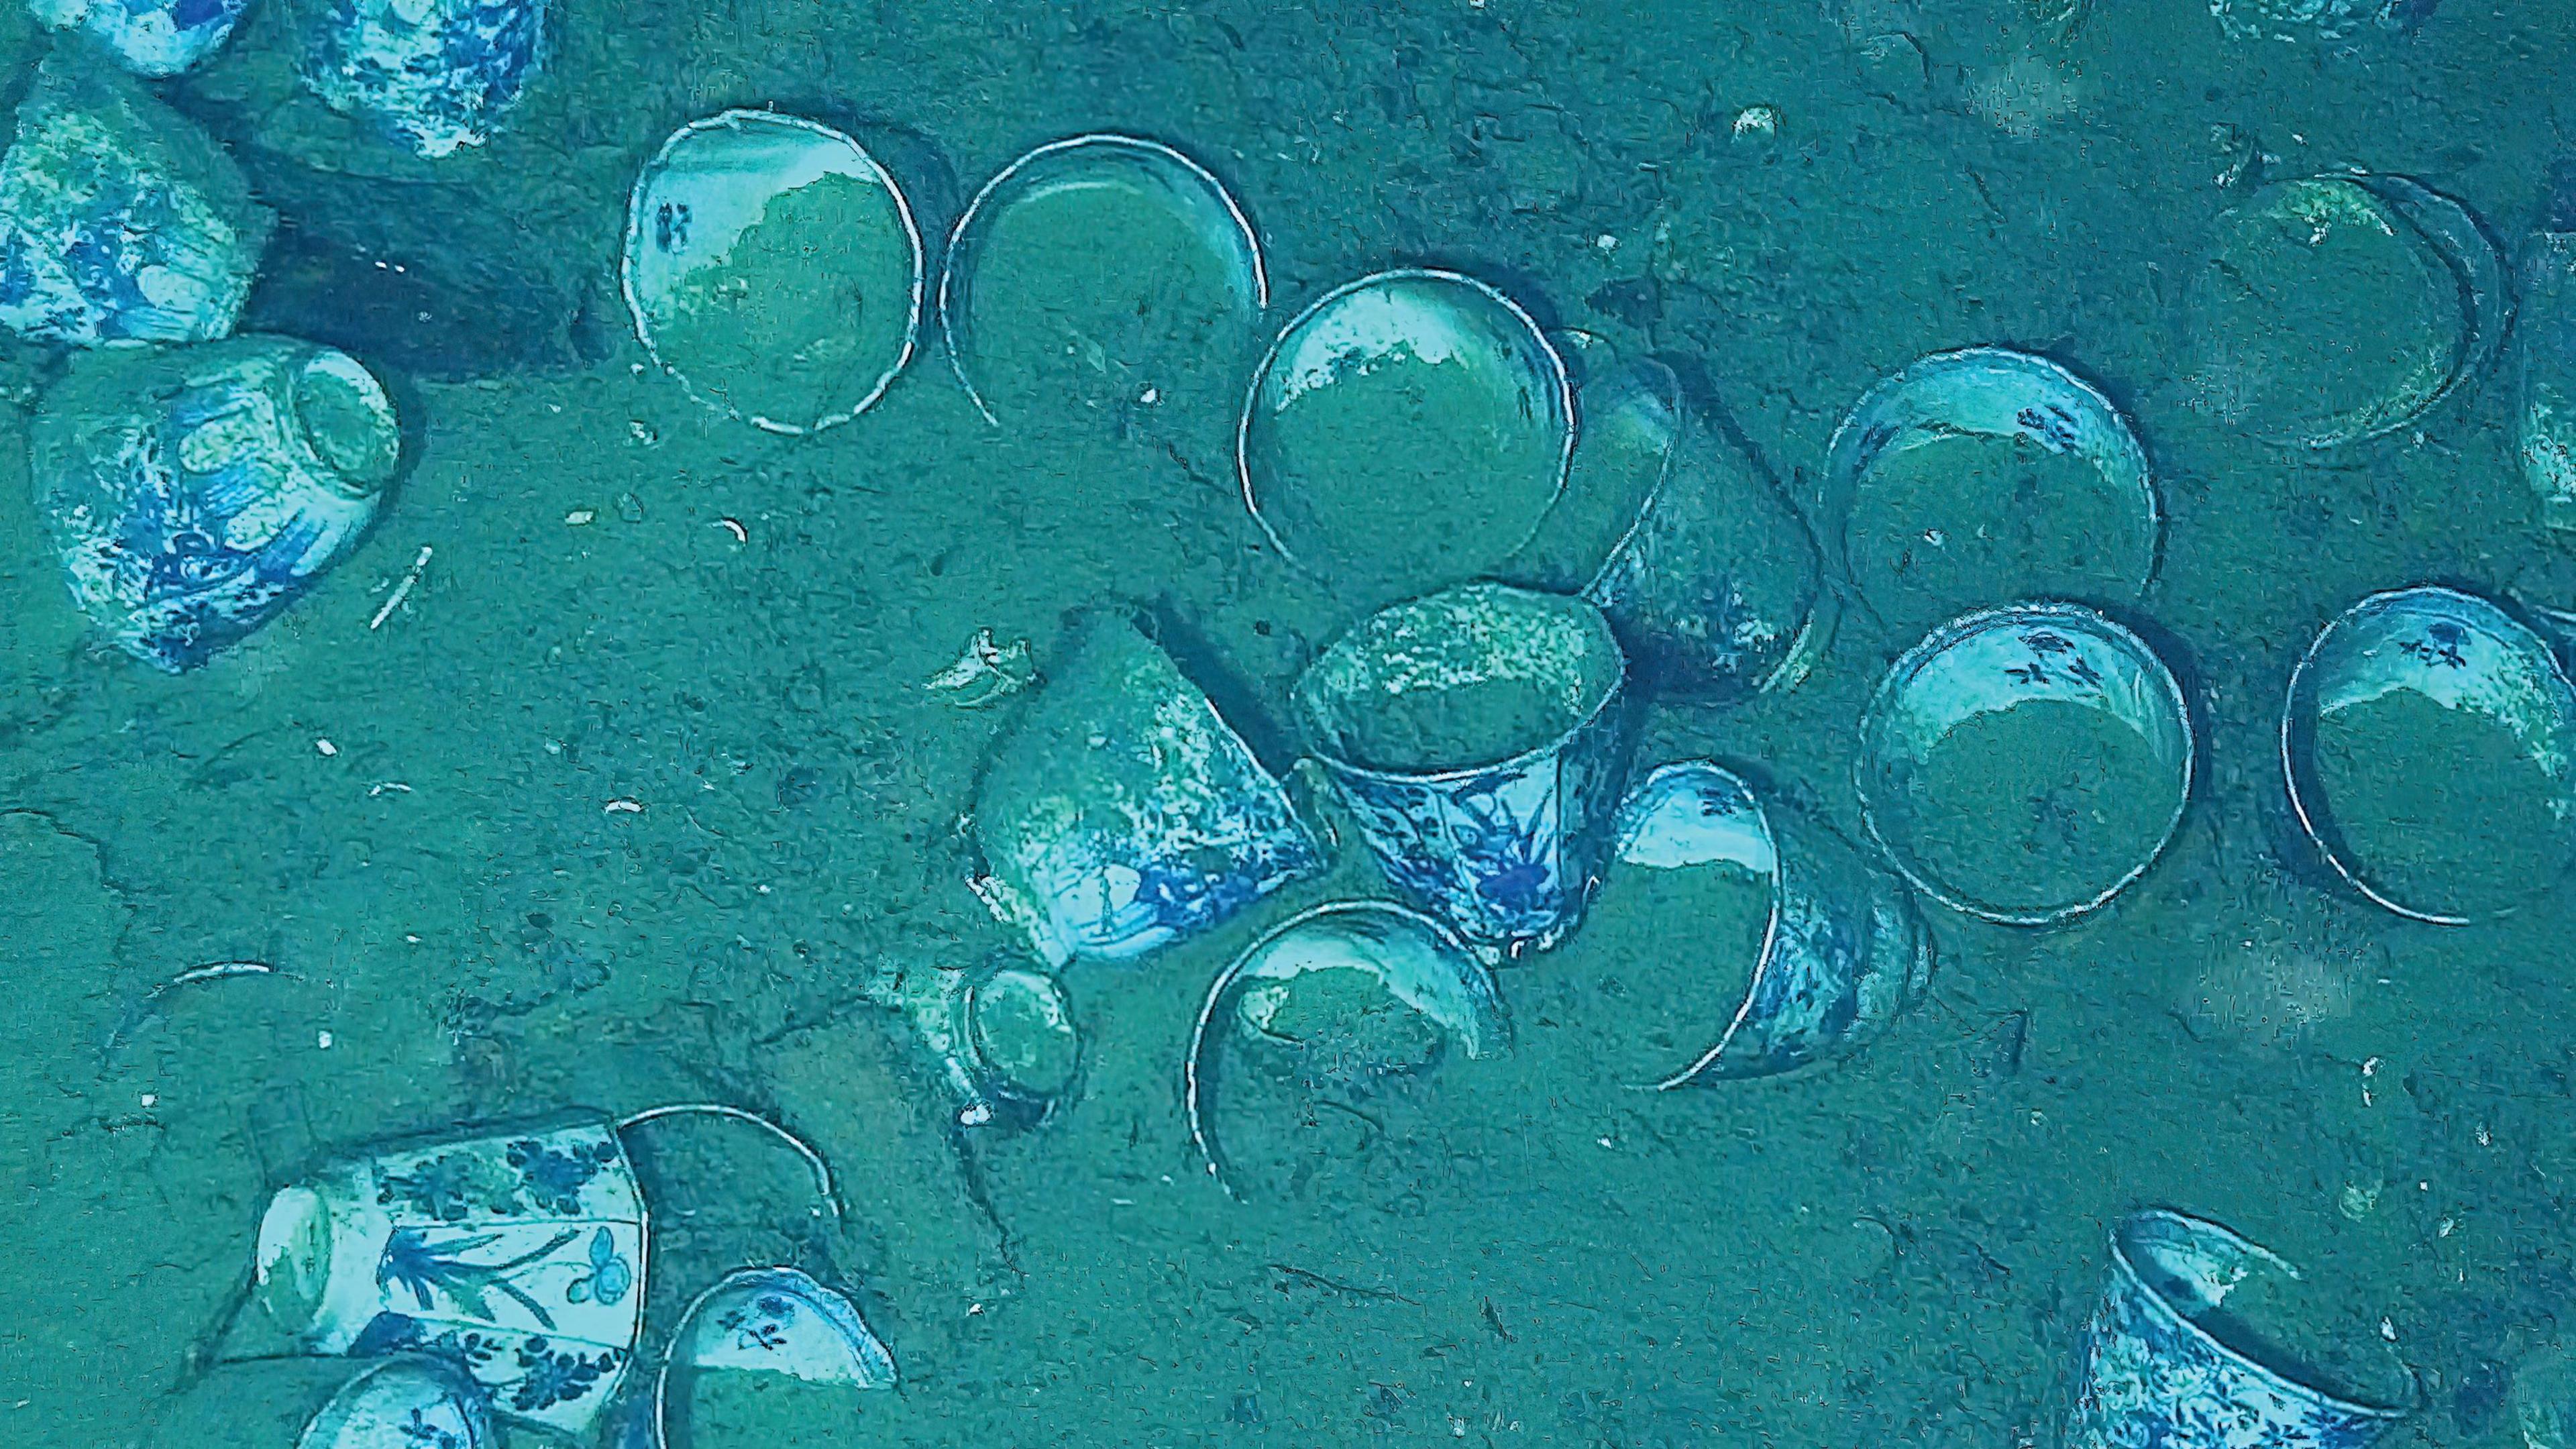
x=1985, y=475
x=2025, y=764
x=773, y=267
x=2312, y=1340
x=1408, y=431
x=2322, y=316
x=2429, y=750
x=1102, y=271
x=1463, y=680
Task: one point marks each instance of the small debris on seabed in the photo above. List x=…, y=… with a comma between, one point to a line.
x=402, y=591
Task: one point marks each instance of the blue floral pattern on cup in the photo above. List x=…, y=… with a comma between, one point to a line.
x=1505, y=854
x=2151, y=1377
x=515, y=1257
x=149, y=37
x=119, y=222
x=435, y=76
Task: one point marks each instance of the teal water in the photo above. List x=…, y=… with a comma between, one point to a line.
x=629, y=599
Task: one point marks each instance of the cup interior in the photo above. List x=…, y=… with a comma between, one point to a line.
x=1460, y=681
x=1083, y=266
x=2429, y=744
x=2025, y=764
x=1409, y=431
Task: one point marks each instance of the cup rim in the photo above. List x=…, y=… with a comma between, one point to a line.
x=1557, y=378
x=1340, y=764
x=743, y=119
x=2063, y=614
x=955, y=254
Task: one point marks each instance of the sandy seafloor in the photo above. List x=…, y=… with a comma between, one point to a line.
x=1892, y=1251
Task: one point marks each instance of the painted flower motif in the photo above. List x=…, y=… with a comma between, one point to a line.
x=550, y=1376
x=553, y=1179
x=447, y=1187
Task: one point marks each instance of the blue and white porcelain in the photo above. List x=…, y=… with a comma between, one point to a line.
x=1990, y=661
x=1507, y=847
x=2166, y=1364
x=1003, y=1036
x=120, y=221
x=415, y=1401
x=1713, y=582
x=435, y=75
x=192, y=493
x=1122, y=813
x=2464, y=654
x=1994, y=392
x=1844, y=951
x=1416, y=966
x=518, y=1257
x=149, y=37
x=764, y=1321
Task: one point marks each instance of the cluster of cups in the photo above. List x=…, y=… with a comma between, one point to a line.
x=194, y=482
x=1477, y=736
x=1477, y=730
x=502, y=1277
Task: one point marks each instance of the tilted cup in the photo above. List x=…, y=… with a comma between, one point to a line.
x=1480, y=736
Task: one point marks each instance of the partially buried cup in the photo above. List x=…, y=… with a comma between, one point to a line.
x=1979, y=476
x=2428, y=745
x=768, y=1356
x=1406, y=432
x=1711, y=579
x=1746, y=938
x=1480, y=735
x=2025, y=764
x=1355, y=1001
x=773, y=267
x=1101, y=272
x=2204, y=1340
x=2330, y=309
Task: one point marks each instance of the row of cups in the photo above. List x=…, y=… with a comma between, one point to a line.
x=500, y=1277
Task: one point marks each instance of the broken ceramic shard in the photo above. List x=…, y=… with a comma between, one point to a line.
x=1408, y=431
x=148, y=37
x=2428, y=744
x=1480, y=736
x=435, y=75
x=2203, y=1340
x=1097, y=271
x=1357, y=991
x=119, y=221
x=1122, y=813
x=1842, y=954
x=2025, y=764
x=192, y=493
x=528, y=1246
